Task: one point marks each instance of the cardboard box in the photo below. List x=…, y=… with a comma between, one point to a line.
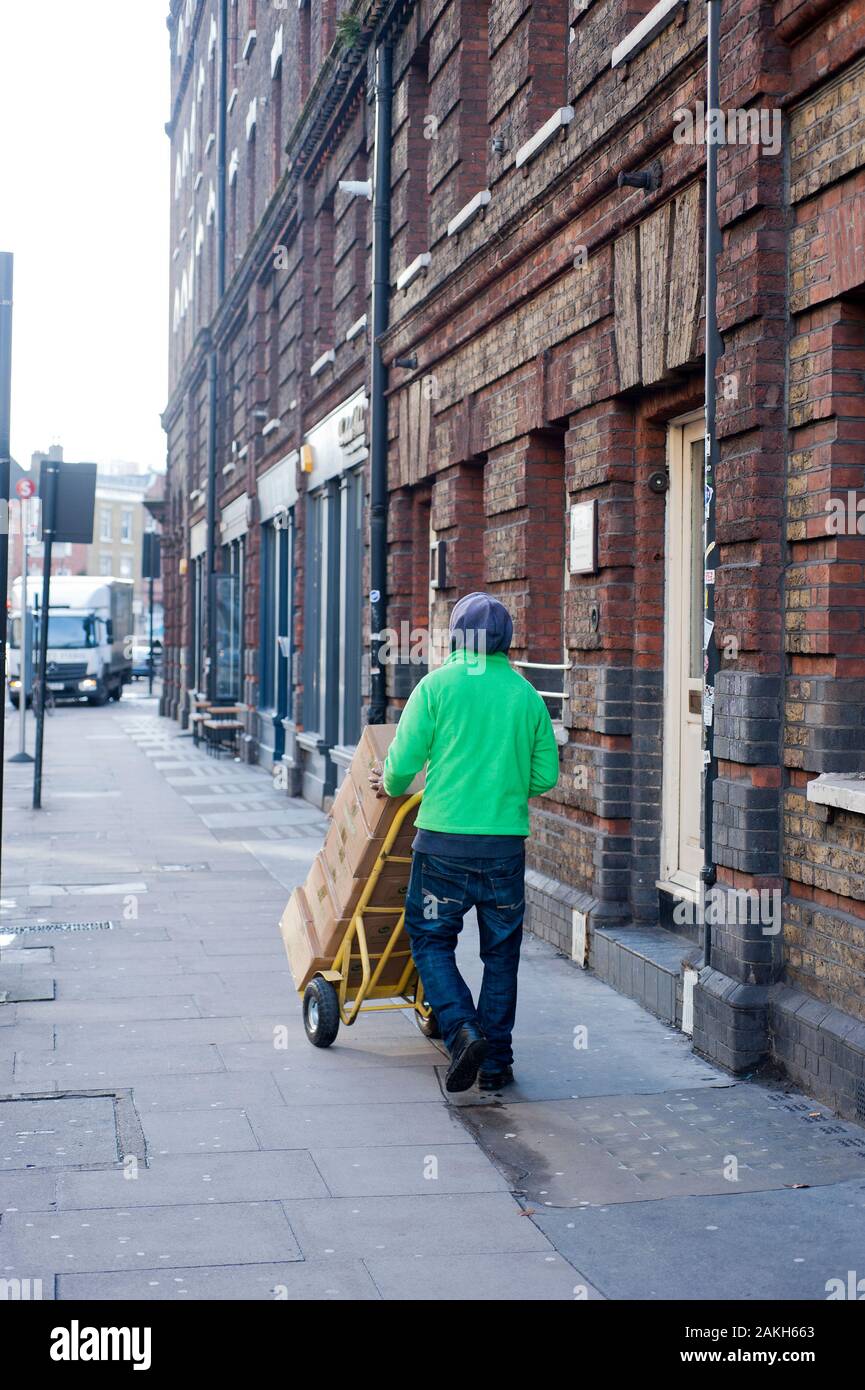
x=301, y=944
x=378, y=932
x=318, y=916
x=345, y=888
x=358, y=845
x=371, y=751
x=327, y=918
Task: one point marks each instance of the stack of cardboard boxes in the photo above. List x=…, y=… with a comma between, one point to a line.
x=318, y=914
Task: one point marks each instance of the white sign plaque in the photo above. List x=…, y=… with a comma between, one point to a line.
x=583, y=556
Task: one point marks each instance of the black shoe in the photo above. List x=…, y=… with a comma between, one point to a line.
x=469, y=1050
x=495, y=1080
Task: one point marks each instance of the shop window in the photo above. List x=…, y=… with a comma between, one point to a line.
x=198, y=625
x=277, y=617
x=333, y=623
x=229, y=623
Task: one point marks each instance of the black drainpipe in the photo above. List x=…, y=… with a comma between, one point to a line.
x=714, y=349
x=377, y=712
x=213, y=363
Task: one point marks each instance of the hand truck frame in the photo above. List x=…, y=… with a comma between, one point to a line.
x=331, y=997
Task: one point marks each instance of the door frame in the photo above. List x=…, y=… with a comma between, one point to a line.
x=681, y=434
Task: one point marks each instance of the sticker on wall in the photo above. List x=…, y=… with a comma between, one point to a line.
x=708, y=629
x=707, y=757
x=710, y=576
x=708, y=705
x=375, y=595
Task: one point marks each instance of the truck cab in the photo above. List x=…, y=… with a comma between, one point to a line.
x=89, y=638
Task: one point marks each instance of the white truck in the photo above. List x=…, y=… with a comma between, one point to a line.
x=89, y=636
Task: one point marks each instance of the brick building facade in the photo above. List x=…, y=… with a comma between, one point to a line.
x=543, y=415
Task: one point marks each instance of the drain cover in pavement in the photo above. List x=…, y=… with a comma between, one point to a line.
x=69, y=1132
x=26, y=928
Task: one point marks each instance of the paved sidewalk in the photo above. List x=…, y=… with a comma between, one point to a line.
x=166, y=1131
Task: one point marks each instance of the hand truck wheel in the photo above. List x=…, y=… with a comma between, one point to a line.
x=320, y=1012
x=429, y=1026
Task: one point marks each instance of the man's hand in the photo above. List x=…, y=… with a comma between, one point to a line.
x=375, y=780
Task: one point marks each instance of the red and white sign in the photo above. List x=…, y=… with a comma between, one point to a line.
x=24, y=488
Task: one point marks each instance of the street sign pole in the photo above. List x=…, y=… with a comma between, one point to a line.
x=5, y=471
x=150, y=660
x=22, y=756
x=48, y=491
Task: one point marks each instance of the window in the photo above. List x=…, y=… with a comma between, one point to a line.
x=229, y=623
x=106, y=564
x=276, y=125
x=277, y=620
x=333, y=624
x=198, y=603
x=273, y=354
x=126, y=525
x=418, y=152
x=105, y=529
x=126, y=566
x=304, y=47
x=250, y=185
x=322, y=314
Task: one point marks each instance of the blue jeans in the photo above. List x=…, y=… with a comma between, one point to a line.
x=440, y=892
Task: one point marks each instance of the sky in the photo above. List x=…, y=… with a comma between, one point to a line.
x=84, y=207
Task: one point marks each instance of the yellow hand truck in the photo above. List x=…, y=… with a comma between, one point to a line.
x=373, y=970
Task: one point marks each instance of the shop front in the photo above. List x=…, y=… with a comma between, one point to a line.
x=277, y=498
x=335, y=452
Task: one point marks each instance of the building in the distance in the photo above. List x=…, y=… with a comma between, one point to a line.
x=437, y=323
x=119, y=521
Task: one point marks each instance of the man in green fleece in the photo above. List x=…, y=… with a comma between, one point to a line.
x=487, y=740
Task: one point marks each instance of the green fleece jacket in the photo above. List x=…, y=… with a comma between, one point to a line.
x=488, y=740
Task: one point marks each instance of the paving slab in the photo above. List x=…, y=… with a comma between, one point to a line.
x=48, y=1069
x=209, y=1091
x=195, y=1178
x=447, y=1224
x=356, y=1086
x=146, y=1237
x=641, y=1148
x=57, y=1133
x=27, y=1190
x=377, y=1170
x=321, y=1281
x=346, y=1126
x=776, y=1245
x=92, y=1010
x=198, y=1131
x=73, y=1039
x=500, y=1278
